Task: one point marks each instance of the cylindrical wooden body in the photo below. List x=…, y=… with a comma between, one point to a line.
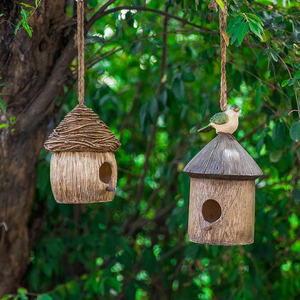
x=221, y=212
x=83, y=177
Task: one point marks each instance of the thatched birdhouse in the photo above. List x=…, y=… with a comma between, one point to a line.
x=83, y=166
x=222, y=193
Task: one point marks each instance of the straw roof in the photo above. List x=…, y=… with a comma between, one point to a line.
x=81, y=131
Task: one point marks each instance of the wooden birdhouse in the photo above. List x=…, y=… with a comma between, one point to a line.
x=83, y=166
x=222, y=193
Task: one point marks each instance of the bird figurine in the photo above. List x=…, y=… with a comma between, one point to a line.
x=226, y=122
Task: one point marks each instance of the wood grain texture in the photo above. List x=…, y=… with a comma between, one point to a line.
x=75, y=177
x=223, y=158
x=237, y=201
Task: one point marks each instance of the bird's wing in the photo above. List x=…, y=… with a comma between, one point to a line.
x=219, y=118
x=206, y=128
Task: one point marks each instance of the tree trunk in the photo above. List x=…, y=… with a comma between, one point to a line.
x=33, y=70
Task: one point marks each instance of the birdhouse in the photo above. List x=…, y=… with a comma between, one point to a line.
x=222, y=193
x=83, y=167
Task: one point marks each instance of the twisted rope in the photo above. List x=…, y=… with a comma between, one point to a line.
x=80, y=37
x=223, y=36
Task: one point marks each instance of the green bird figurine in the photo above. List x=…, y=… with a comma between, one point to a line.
x=226, y=122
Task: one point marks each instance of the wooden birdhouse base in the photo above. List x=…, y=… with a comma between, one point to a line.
x=221, y=212
x=222, y=193
x=83, y=177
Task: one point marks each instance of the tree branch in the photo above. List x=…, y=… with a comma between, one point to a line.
x=164, y=13
x=39, y=106
x=106, y=55
x=99, y=14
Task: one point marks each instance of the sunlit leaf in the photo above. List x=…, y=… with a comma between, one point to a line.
x=285, y=82
x=221, y=4
x=255, y=29
x=256, y=18
x=27, y=5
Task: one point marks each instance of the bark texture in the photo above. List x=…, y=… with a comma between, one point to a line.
x=34, y=70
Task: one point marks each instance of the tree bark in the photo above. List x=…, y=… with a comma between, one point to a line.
x=32, y=68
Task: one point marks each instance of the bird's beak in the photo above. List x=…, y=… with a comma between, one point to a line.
x=236, y=109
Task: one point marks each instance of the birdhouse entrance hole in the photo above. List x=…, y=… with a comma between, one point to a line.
x=211, y=210
x=105, y=173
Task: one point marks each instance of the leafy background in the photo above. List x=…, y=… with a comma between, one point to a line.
x=136, y=247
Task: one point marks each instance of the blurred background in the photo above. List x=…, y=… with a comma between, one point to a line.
x=154, y=91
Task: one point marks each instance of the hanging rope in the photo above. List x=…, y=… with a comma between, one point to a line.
x=80, y=37
x=224, y=44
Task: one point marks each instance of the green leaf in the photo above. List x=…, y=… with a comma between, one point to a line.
x=25, y=23
x=18, y=26
x=253, y=16
x=234, y=33
x=3, y=106
x=295, y=131
x=297, y=75
x=285, y=82
x=27, y=5
x=6, y=297
x=1, y=15
x=255, y=29
x=221, y=4
x=292, y=81
x=115, y=284
x=3, y=126
x=233, y=23
x=242, y=30
x=274, y=55
x=253, y=21
x=12, y=120
x=44, y=297
x=22, y=291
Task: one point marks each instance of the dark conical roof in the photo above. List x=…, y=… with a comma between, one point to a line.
x=82, y=131
x=223, y=158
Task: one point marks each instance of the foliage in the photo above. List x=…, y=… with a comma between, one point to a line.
x=136, y=247
x=26, y=12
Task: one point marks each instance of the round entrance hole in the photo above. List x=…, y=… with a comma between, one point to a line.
x=211, y=210
x=105, y=173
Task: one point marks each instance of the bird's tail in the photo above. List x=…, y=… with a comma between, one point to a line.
x=206, y=128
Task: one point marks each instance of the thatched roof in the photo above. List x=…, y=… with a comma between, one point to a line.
x=223, y=158
x=81, y=131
